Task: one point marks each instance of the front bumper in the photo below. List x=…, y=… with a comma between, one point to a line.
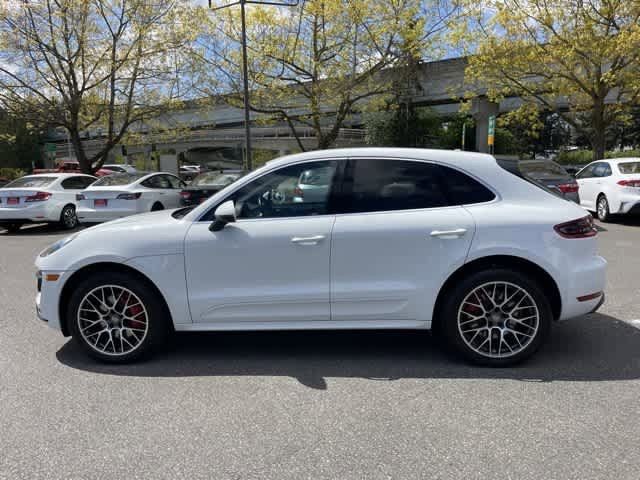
x=48, y=297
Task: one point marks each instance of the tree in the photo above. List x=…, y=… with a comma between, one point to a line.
x=578, y=58
x=313, y=66
x=20, y=142
x=84, y=65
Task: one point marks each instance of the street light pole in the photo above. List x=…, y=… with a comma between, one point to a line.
x=246, y=100
x=245, y=69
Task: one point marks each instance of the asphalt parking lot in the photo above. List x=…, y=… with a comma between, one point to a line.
x=321, y=404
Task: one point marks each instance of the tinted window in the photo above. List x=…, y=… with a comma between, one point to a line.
x=464, y=190
x=629, y=167
x=601, y=170
x=30, y=182
x=157, y=181
x=77, y=183
x=216, y=179
x=278, y=194
x=175, y=181
x=586, y=172
x=376, y=185
x=114, y=168
x=542, y=169
x=116, y=179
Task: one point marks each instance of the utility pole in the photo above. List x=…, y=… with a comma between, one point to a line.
x=245, y=68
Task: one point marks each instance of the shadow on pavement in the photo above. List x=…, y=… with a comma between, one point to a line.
x=591, y=348
x=39, y=229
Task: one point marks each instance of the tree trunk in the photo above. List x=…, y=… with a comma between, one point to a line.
x=83, y=161
x=598, y=136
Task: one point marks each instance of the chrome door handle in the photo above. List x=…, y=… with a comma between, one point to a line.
x=307, y=240
x=449, y=234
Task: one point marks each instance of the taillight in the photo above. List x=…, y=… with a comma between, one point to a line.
x=580, y=228
x=185, y=194
x=629, y=183
x=38, y=197
x=129, y=196
x=298, y=192
x=80, y=196
x=568, y=187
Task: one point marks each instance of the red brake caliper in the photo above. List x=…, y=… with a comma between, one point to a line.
x=132, y=312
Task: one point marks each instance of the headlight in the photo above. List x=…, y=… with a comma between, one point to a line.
x=57, y=246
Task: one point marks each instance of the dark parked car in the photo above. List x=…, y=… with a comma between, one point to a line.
x=206, y=184
x=546, y=173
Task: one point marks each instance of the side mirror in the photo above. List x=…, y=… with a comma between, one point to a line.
x=225, y=213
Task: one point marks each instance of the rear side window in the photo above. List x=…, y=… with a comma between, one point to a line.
x=377, y=185
x=464, y=190
x=77, y=183
x=628, y=168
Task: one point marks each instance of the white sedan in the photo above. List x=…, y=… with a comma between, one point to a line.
x=123, y=194
x=46, y=197
x=402, y=239
x=610, y=187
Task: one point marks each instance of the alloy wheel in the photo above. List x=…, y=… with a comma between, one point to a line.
x=69, y=217
x=112, y=320
x=603, y=206
x=498, y=319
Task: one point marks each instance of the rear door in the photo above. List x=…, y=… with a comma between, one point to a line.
x=399, y=236
x=587, y=182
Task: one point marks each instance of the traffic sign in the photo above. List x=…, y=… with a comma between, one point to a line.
x=492, y=130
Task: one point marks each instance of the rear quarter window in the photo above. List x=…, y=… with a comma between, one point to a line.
x=464, y=190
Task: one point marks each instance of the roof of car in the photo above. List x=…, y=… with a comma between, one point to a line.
x=620, y=159
x=447, y=156
x=58, y=175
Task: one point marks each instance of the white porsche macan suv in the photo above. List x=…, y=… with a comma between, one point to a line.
x=402, y=239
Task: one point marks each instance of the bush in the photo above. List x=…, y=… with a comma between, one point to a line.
x=12, y=173
x=582, y=157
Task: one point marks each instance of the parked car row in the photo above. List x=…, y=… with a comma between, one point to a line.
x=70, y=198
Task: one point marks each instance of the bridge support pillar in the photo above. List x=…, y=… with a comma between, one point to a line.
x=482, y=109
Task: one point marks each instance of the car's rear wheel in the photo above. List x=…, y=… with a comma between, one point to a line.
x=68, y=217
x=157, y=207
x=497, y=317
x=602, y=209
x=116, y=318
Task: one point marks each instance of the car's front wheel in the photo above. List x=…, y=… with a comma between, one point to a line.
x=497, y=317
x=116, y=318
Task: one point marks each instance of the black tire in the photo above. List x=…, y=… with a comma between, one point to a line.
x=68, y=218
x=454, y=304
x=602, y=209
x=157, y=207
x=157, y=319
x=12, y=227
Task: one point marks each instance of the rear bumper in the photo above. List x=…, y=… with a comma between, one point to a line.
x=88, y=215
x=586, y=279
x=31, y=214
x=629, y=203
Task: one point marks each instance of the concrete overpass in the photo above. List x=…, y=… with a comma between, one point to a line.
x=440, y=86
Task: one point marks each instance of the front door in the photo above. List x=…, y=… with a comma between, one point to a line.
x=272, y=263
x=587, y=183
x=398, y=240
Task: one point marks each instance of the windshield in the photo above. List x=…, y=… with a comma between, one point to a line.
x=215, y=179
x=515, y=167
x=629, y=168
x=118, y=179
x=30, y=182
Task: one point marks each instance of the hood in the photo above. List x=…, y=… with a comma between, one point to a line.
x=137, y=222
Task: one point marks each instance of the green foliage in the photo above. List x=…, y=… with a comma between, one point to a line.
x=581, y=157
x=12, y=173
x=20, y=143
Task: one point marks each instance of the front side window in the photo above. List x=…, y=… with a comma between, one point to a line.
x=586, y=172
x=280, y=194
x=175, y=182
x=377, y=185
x=601, y=170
